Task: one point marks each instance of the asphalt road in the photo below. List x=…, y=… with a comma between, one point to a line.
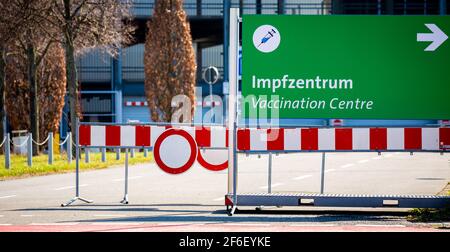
x=194, y=201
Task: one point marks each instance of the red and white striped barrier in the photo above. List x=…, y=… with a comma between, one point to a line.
x=145, y=136
x=165, y=142
x=294, y=139
x=208, y=103
x=136, y=103
x=115, y=136
x=176, y=148
x=343, y=139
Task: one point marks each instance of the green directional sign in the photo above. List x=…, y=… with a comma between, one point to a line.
x=356, y=67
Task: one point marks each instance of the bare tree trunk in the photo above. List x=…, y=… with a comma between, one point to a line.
x=71, y=72
x=34, y=105
x=2, y=91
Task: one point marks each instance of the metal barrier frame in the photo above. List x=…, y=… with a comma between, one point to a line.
x=77, y=171
x=232, y=199
x=78, y=147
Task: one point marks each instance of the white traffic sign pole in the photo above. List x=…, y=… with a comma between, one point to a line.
x=212, y=104
x=232, y=103
x=208, y=78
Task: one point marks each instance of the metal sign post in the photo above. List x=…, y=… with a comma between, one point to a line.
x=211, y=76
x=232, y=104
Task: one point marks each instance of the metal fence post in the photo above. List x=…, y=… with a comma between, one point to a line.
x=69, y=147
x=30, y=150
x=103, y=155
x=117, y=153
x=132, y=153
x=145, y=152
x=7, y=152
x=50, y=148
x=87, y=155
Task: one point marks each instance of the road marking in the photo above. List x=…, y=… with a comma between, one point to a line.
x=377, y=158
x=219, y=199
x=2, y=216
x=129, y=178
x=330, y=170
x=109, y=215
x=8, y=196
x=5, y=224
x=26, y=215
x=381, y=225
x=273, y=185
x=347, y=165
x=388, y=155
x=363, y=161
x=303, y=177
x=68, y=187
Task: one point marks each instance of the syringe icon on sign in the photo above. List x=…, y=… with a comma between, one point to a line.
x=268, y=36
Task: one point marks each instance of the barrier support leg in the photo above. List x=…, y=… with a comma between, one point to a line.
x=322, y=174
x=77, y=172
x=77, y=183
x=269, y=182
x=232, y=211
x=87, y=156
x=125, y=197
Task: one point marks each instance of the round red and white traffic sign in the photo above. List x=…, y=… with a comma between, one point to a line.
x=213, y=159
x=175, y=151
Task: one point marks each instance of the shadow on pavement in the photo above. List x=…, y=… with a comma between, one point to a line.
x=112, y=208
x=196, y=213
x=222, y=217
